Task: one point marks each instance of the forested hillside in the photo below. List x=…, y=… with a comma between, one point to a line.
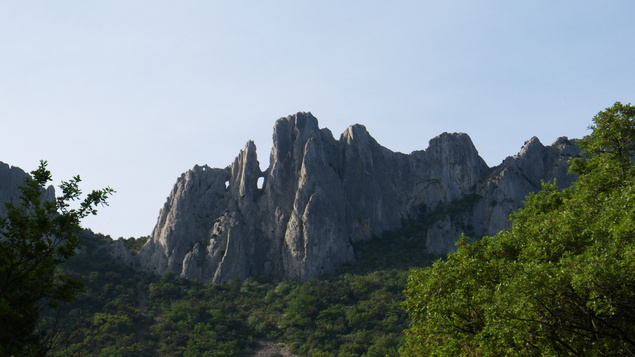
x=560, y=282
x=356, y=312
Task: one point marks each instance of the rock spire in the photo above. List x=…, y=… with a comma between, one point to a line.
x=319, y=195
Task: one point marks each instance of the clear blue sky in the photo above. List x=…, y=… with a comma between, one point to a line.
x=131, y=94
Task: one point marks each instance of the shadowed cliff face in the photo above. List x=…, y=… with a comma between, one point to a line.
x=320, y=194
x=11, y=179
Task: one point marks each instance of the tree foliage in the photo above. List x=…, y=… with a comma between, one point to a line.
x=559, y=282
x=354, y=312
x=36, y=235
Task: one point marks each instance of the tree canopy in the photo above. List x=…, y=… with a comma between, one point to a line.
x=36, y=235
x=559, y=282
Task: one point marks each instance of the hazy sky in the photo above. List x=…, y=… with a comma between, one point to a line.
x=130, y=94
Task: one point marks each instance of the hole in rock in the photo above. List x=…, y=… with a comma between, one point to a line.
x=227, y=184
x=261, y=182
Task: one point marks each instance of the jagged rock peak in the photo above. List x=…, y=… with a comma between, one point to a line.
x=459, y=147
x=458, y=139
x=294, y=128
x=321, y=195
x=530, y=145
x=245, y=172
x=355, y=132
x=564, y=141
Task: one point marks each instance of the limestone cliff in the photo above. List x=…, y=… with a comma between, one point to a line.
x=503, y=190
x=319, y=195
x=11, y=178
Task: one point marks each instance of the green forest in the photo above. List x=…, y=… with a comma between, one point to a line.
x=354, y=312
x=559, y=282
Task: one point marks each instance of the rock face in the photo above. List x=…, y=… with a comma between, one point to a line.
x=11, y=178
x=502, y=191
x=320, y=195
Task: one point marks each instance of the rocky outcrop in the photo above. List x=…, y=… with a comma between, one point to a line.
x=502, y=191
x=11, y=178
x=319, y=195
x=119, y=251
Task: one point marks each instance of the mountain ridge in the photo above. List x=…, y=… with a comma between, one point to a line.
x=320, y=195
x=302, y=215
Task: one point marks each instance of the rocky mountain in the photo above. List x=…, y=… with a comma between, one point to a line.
x=299, y=217
x=11, y=178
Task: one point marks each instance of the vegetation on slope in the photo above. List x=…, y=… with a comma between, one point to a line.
x=355, y=312
x=559, y=282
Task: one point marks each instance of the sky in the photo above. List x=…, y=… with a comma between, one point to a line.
x=131, y=94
